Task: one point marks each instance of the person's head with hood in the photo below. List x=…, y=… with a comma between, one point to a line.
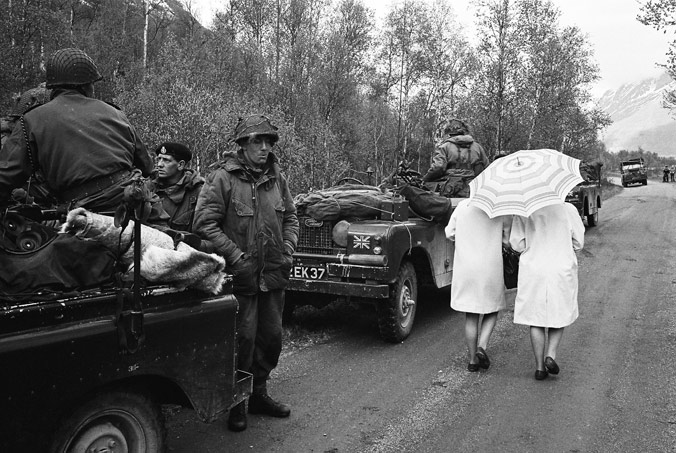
x=256, y=136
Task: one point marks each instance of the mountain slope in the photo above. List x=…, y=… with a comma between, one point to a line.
x=639, y=120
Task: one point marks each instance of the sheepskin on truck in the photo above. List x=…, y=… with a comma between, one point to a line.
x=90, y=348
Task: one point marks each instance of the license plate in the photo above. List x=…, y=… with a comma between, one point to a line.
x=308, y=272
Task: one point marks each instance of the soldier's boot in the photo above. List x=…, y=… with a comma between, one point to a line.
x=237, y=417
x=261, y=403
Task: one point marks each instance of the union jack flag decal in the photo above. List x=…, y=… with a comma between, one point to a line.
x=362, y=242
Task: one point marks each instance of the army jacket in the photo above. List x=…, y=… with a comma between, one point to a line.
x=250, y=221
x=73, y=139
x=458, y=152
x=179, y=200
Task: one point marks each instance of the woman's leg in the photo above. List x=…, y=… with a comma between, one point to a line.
x=471, y=334
x=537, y=339
x=487, y=326
x=554, y=340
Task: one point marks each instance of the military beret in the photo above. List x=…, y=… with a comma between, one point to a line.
x=178, y=151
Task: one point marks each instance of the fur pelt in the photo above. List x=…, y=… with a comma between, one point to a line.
x=181, y=267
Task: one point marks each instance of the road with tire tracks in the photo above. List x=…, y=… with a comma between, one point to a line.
x=351, y=392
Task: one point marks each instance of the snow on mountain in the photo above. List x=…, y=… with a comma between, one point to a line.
x=639, y=120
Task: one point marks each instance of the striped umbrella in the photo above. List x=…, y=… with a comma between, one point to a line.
x=525, y=181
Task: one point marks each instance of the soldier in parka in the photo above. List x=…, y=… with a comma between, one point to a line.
x=177, y=185
x=458, y=151
x=85, y=148
x=246, y=214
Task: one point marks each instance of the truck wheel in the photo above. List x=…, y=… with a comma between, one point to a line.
x=115, y=422
x=593, y=219
x=396, y=314
x=645, y=182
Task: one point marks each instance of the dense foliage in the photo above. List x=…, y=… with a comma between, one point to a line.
x=348, y=92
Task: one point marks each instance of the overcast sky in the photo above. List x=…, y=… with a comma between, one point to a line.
x=625, y=49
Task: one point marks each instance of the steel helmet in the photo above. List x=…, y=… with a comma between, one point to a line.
x=456, y=126
x=255, y=125
x=29, y=99
x=71, y=67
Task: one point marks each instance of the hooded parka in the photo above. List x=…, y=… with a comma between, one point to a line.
x=458, y=152
x=249, y=221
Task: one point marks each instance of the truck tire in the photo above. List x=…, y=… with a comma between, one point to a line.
x=645, y=182
x=396, y=314
x=113, y=421
x=593, y=219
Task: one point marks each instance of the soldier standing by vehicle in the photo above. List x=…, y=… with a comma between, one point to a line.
x=246, y=213
x=177, y=186
x=85, y=148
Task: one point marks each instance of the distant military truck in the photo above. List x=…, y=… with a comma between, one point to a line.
x=634, y=172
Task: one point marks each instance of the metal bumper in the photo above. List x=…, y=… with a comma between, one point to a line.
x=371, y=291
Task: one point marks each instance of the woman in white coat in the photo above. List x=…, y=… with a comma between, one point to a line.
x=478, y=286
x=547, y=287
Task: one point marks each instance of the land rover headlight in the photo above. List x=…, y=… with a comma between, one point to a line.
x=339, y=233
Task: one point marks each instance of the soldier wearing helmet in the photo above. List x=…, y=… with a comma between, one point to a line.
x=457, y=153
x=85, y=148
x=246, y=214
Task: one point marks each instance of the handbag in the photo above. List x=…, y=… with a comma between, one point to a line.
x=510, y=267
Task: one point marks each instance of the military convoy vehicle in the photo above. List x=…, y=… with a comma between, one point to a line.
x=380, y=261
x=87, y=370
x=586, y=196
x=633, y=171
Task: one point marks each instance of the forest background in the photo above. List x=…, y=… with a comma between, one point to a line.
x=351, y=98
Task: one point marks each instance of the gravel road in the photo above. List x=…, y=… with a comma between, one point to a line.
x=616, y=392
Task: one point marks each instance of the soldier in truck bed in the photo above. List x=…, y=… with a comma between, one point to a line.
x=85, y=148
x=457, y=151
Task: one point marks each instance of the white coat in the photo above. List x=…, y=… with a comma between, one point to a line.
x=478, y=284
x=547, y=287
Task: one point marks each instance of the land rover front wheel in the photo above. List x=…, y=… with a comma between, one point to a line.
x=396, y=314
x=121, y=422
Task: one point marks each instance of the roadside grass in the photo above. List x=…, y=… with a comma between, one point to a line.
x=609, y=189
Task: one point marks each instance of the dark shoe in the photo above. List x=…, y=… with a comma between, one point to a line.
x=261, y=403
x=551, y=365
x=540, y=375
x=237, y=417
x=484, y=361
x=473, y=367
